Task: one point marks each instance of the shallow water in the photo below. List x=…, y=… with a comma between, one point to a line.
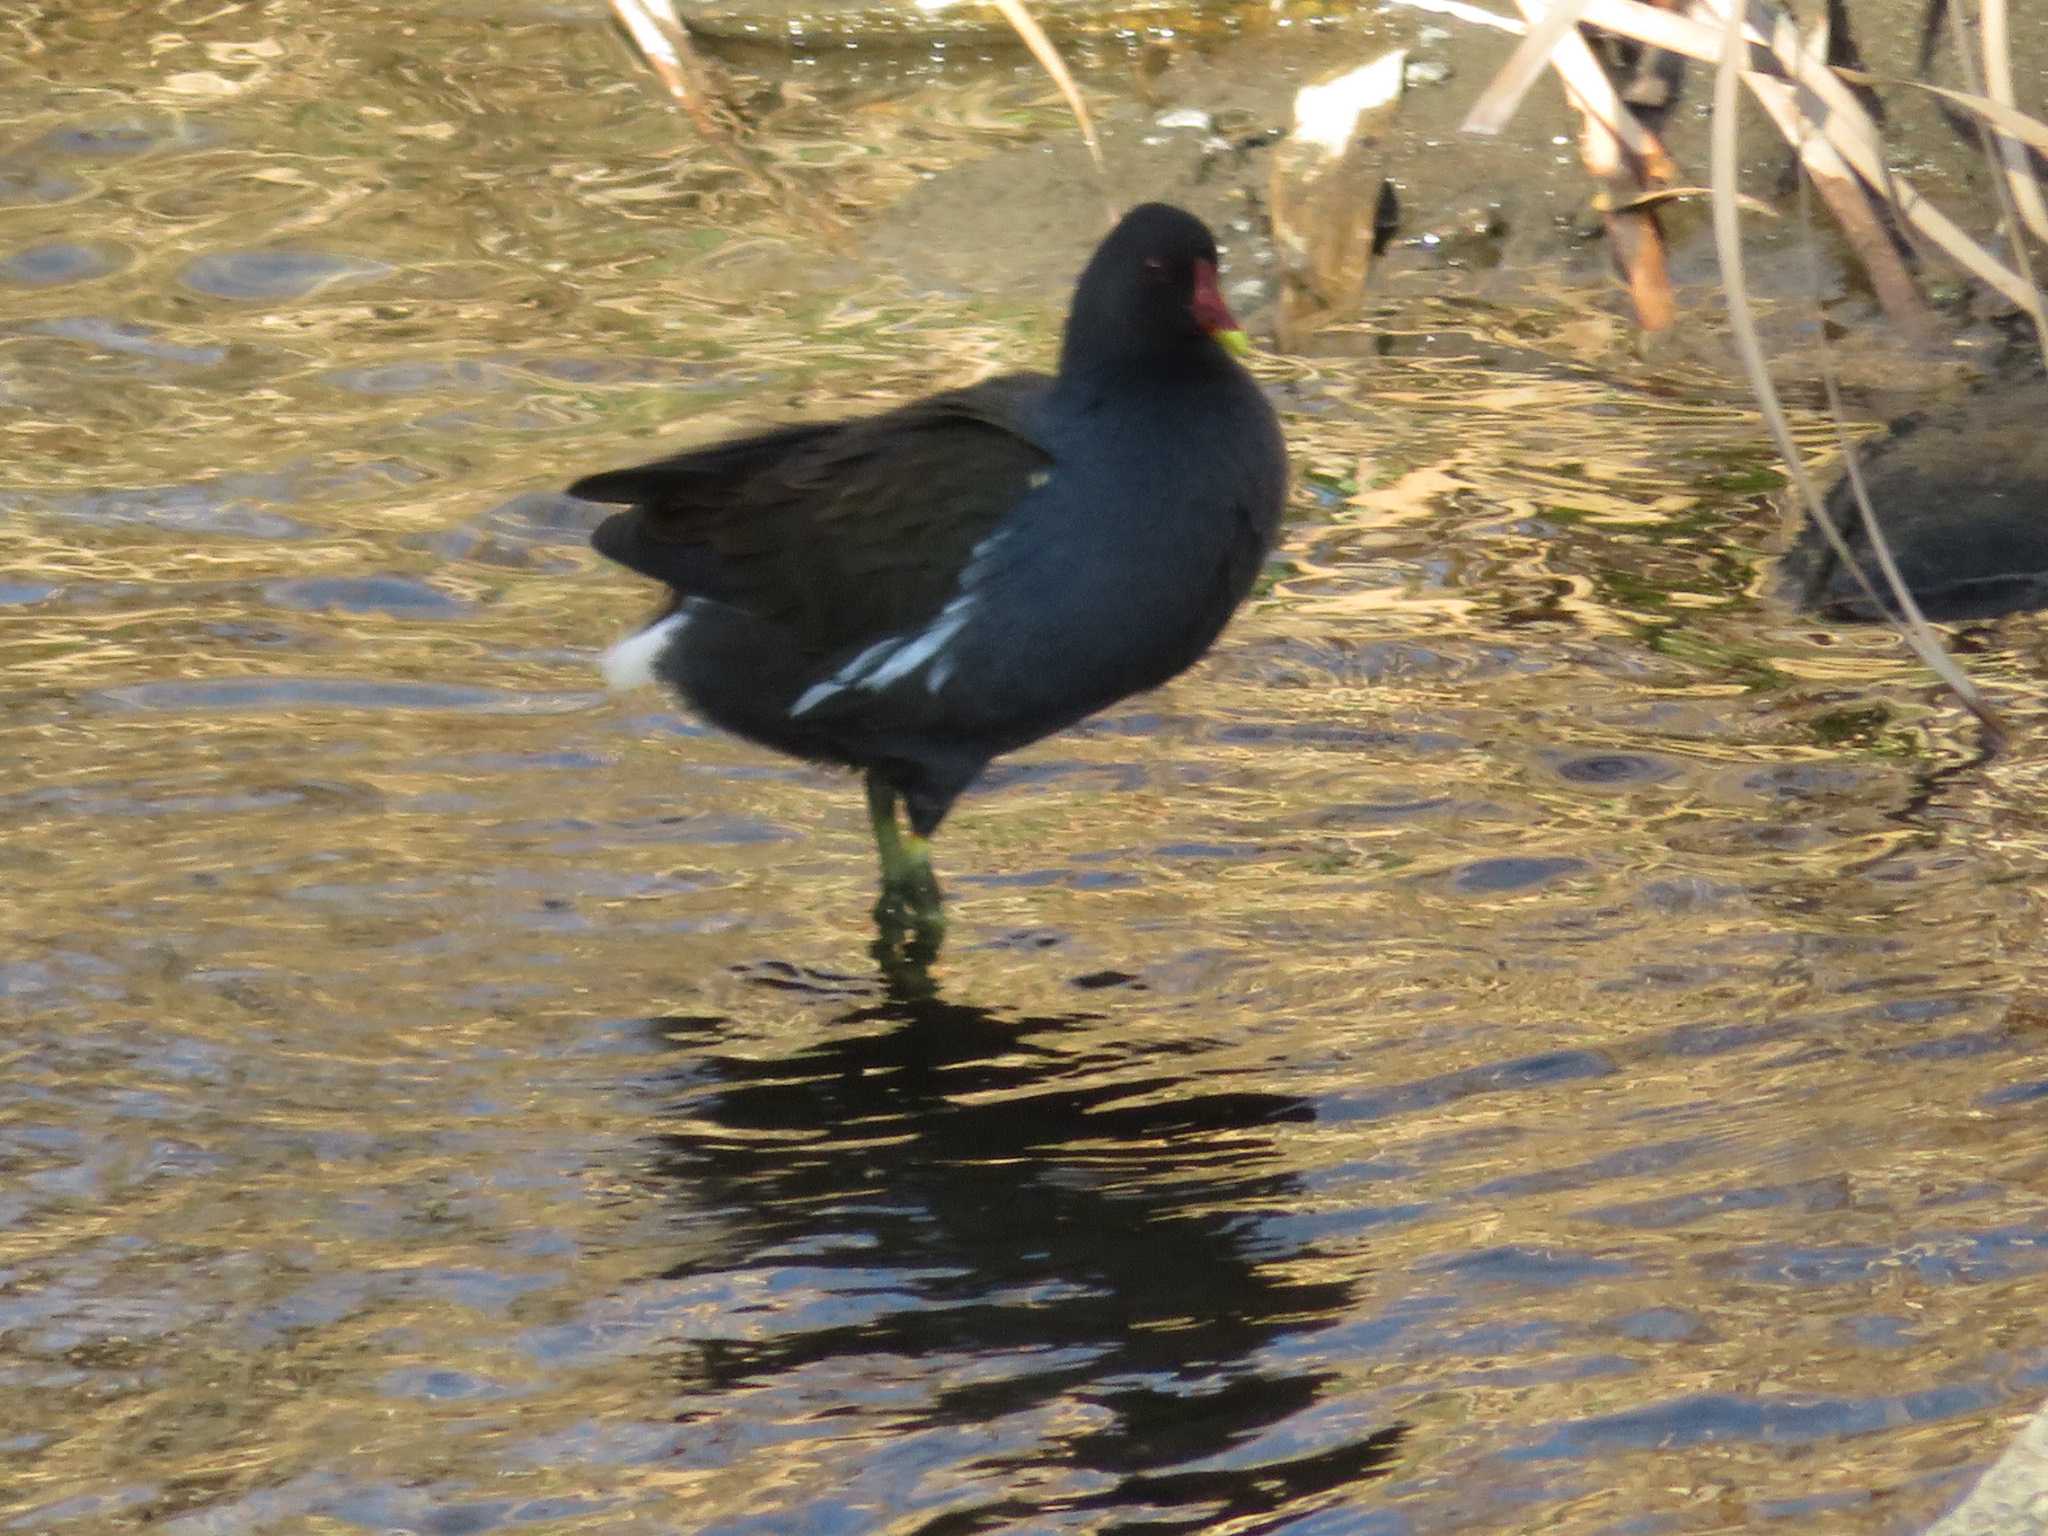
x=1528, y=1036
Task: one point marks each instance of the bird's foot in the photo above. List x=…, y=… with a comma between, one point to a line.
x=905, y=947
x=910, y=921
x=912, y=910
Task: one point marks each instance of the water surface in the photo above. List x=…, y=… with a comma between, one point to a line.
x=1528, y=1036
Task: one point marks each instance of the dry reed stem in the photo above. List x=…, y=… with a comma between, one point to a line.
x=1897, y=293
x=662, y=40
x=1842, y=119
x=1026, y=26
x=658, y=33
x=1728, y=246
x=1994, y=146
x=1617, y=147
x=2026, y=189
x=1503, y=95
x=1848, y=127
x=1591, y=93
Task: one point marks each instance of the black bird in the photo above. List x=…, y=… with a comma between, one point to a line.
x=913, y=594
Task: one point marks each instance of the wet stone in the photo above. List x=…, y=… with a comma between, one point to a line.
x=1687, y=893
x=276, y=274
x=1389, y=810
x=1661, y=1325
x=1095, y=981
x=439, y=1385
x=1805, y=781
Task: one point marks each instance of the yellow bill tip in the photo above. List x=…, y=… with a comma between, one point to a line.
x=1236, y=343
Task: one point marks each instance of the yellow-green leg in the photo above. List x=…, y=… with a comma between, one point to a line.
x=909, y=907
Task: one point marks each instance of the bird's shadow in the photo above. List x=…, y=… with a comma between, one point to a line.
x=1024, y=1231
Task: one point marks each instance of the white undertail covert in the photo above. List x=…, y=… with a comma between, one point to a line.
x=630, y=663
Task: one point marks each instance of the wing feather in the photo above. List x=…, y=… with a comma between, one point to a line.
x=841, y=532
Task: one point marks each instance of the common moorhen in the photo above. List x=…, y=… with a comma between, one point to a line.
x=914, y=593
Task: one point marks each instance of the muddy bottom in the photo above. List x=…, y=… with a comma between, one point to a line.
x=1531, y=1034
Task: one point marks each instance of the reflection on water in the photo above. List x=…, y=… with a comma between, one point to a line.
x=975, y=1248
x=1527, y=1036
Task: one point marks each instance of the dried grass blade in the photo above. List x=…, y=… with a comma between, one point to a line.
x=1593, y=95
x=1652, y=198
x=2026, y=189
x=2035, y=306
x=1503, y=94
x=1661, y=29
x=1026, y=26
x=2007, y=119
x=1834, y=110
x=1831, y=176
x=1742, y=322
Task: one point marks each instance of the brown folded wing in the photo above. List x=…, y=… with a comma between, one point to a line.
x=838, y=533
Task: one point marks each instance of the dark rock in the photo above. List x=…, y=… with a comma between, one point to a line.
x=1961, y=493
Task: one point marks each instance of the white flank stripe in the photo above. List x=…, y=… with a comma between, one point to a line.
x=890, y=660
x=812, y=697
x=630, y=663
x=841, y=680
x=922, y=649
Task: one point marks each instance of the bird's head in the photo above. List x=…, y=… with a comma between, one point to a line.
x=1150, y=292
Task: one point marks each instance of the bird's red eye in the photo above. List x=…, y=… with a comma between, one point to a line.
x=1155, y=265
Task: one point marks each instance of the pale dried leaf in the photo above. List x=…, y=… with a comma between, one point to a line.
x=1326, y=114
